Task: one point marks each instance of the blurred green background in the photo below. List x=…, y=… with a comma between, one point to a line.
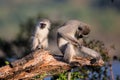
x=102, y=15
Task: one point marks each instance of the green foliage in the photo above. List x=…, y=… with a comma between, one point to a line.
x=61, y=76
x=77, y=75
x=39, y=76
x=7, y=63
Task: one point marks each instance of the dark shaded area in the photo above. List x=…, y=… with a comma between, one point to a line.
x=6, y=47
x=103, y=4
x=115, y=58
x=2, y=61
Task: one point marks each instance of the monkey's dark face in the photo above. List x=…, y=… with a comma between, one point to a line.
x=86, y=30
x=78, y=33
x=42, y=25
x=81, y=31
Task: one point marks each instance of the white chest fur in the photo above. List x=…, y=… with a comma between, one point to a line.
x=42, y=33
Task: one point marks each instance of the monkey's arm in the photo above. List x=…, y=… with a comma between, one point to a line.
x=34, y=43
x=70, y=39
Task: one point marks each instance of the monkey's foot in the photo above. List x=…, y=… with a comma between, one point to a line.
x=74, y=63
x=88, y=61
x=92, y=61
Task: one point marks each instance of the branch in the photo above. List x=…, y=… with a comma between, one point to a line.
x=37, y=63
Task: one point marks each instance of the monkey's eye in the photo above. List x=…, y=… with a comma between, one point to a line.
x=79, y=28
x=42, y=25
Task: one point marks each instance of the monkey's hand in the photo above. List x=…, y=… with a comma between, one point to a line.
x=77, y=44
x=70, y=39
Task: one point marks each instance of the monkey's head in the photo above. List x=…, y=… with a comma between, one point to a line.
x=82, y=30
x=44, y=23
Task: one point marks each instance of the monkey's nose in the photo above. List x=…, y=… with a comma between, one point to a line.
x=42, y=25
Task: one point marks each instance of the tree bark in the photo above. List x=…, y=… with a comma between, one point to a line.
x=37, y=63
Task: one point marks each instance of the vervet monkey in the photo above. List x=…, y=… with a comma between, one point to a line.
x=40, y=36
x=70, y=41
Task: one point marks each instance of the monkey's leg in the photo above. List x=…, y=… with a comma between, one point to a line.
x=69, y=53
x=95, y=55
x=45, y=44
x=90, y=52
x=34, y=43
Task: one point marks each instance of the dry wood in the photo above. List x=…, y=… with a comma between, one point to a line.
x=39, y=62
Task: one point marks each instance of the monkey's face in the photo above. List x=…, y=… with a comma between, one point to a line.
x=44, y=24
x=81, y=31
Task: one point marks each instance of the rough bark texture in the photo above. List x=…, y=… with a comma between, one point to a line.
x=39, y=62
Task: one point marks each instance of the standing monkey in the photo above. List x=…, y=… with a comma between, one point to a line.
x=40, y=36
x=70, y=41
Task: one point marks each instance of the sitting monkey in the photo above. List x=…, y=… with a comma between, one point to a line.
x=70, y=41
x=40, y=36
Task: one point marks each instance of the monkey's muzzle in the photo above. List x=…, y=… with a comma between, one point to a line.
x=80, y=36
x=42, y=25
x=86, y=30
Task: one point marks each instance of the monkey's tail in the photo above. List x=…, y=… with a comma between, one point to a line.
x=58, y=57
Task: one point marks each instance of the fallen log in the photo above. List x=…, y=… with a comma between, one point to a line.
x=39, y=62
